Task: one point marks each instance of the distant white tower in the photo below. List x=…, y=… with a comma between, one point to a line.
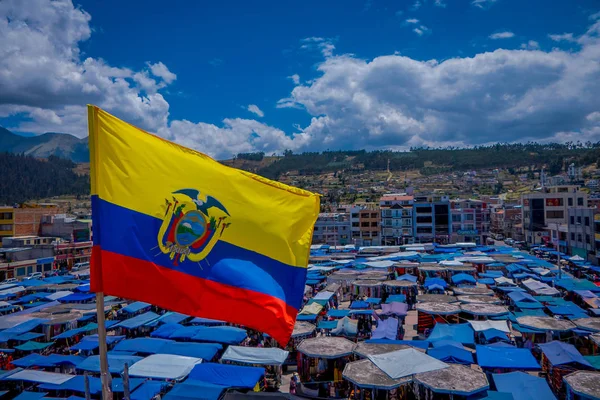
x=543, y=177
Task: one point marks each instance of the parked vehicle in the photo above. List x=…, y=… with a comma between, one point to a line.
x=9, y=281
x=35, y=275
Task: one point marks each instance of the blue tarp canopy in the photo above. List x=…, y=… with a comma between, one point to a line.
x=523, y=386
x=137, y=321
x=373, y=300
x=75, y=297
x=333, y=313
x=420, y=344
x=116, y=363
x=25, y=326
x=206, y=321
x=407, y=277
x=452, y=354
x=227, y=375
x=327, y=325
x=52, y=360
x=31, y=297
x=220, y=334
x=463, y=278
x=135, y=307
x=521, y=297
x=255, y=355
x=32, y=283
x=166, y=330
x=462, y=333
x=396, y=298
x=559, y=353
x=193, y=390
x=91, y=342
x=206, y=351
x=491, y=334
x=142, y=345
x=33, y=346
x=25, y=395
x=147, y=391
x=358, y=305
x=307, y=317
x=77, y=384
x=170, y=318
x=435, y=281
x=506, y=357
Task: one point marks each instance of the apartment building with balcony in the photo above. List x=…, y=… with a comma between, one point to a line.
x=333, y=229
x=470, y=221
x=366, y=224
x=581, y=232
x=432, y=219
x=396, y=219
x=549, y=208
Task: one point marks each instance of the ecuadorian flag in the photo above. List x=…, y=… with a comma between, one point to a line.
x=175, y=228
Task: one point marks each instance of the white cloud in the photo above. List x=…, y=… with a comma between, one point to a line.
x=295, y=78
x=502, y=35
x=439, y=3
x=324, y=45
x=421, y=30
x=160, y=70
x=412, y=21
x=530, y=45
x=505, y=95
x=595, y=16
x=483, y=4
x=416, y=5
x=253, y=108
x=567, y=37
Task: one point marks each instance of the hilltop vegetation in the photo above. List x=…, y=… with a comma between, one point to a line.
x=428, y=161
x=25, y=178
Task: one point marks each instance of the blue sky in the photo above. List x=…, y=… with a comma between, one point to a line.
x=436, y=87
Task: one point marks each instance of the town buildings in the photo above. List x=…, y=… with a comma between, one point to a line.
x=432, y=219
x=333, y=229
x=24, y=220
x=470, y=221
x=366, y=224
x=396, y=219
x=581, y=232
x=548, y=209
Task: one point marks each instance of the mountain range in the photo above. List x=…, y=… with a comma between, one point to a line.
x=42, y=146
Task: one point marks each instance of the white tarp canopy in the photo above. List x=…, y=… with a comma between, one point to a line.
x=255, y=355
x=164, y=366
x=451, y=263
x=12, y=290
x=401, y=363
x=379, y=264
x=30, y=375
x=504, y=281
x=59, y=295
x=480, y=326
x=538, y=287
x=401, y=254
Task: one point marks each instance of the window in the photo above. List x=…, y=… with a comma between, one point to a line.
x=587, y=221
x=29, y=269
x=555, y=214
x=374, y=224
x=423, y=229
x=469, y=217
x=572, y=220
x=374, y=234
x=580, y=201
x=364, y=224
x=579, y=237
x=344, y=236
x=570, y=201
x=355, y=224
x=373, y=215
x=354, y=215
x=587, y=239
x=455, y=217
x=579, y=220
x=407, y=221
x=572, y=236
x=6, y=227
x=6, y=215
x=38, y=268
x=426, y=219
x=316, y=228
x=424, y=210
x=20, y=271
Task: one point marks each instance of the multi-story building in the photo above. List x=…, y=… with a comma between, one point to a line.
x=470, y=221
x=20, y=256
x=333, y=229
x=25, y=220
x=67, y=228
x=431, y=219
x=365, y=225
x=7, y=223
x=548, y=207
x=67, y=254
x=506, y=222
x=581, y=232
x=597, y=236
x=396, y=219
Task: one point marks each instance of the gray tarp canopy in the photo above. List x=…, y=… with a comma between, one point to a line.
x=401, y=363
x=438, y=308
x=477, y=298
x=30, y=375
x=255, y=355
x=584, y=383
x=367, y=349
x=546, y=323
x=326, y=347
x=303, y=328
x=164, y=366
x=478, y=290
x=436, y=298
x=590, y=324
x=484, y=309
x=455, y=380
x=365, y=374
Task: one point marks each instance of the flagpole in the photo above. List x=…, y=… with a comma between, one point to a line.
x=105, y=376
